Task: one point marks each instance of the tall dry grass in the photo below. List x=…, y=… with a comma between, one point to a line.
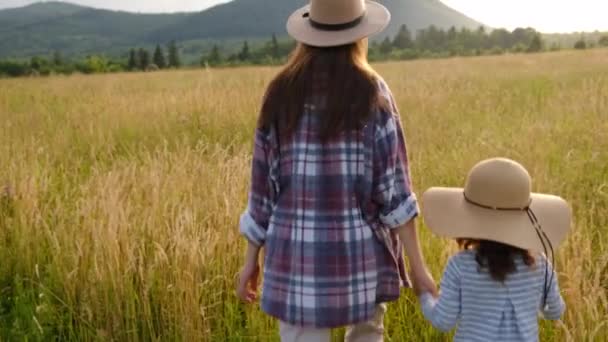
x=120, y=194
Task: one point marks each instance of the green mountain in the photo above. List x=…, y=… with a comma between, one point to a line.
x=75, y=30
x=263, y=17
x=45, y=27
x=19, y=17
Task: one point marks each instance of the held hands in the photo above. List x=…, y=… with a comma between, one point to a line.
x=424, y=283
x=421, y=278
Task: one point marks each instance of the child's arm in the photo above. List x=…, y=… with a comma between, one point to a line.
x=443, y=312
x=555, y=305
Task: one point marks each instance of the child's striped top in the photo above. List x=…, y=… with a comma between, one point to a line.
x=488, y=310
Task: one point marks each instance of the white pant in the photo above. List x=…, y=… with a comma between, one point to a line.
x=370, y=331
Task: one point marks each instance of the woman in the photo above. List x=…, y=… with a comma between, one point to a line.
x=331, y=198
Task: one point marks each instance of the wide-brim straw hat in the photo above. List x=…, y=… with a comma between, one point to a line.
x=326, y=23
x=497, y=205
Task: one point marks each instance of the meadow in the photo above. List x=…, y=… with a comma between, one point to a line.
x=120, y=194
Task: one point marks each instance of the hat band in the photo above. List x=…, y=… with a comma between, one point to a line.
x=542, y=236
x=336, y=27
x=495, y=208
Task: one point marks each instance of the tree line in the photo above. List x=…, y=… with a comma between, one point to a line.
x=432, y=42
x=436, y=42
x=269, y=53
x=138, y=59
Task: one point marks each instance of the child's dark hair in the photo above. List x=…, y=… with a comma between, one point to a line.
x=496, y=257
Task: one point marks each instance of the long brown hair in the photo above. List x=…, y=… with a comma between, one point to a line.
x=496, y=257
x=338, y=81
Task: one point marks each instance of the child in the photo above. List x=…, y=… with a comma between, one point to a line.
x=494, y=288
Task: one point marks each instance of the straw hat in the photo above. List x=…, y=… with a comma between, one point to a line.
x=497, y=204
x=325, y=23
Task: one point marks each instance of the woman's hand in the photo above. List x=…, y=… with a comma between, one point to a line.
x=424, y=283
x=422, y=279
x=247, y=287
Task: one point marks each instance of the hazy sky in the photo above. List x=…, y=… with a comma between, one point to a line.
x=544, y=15
x=132, y=5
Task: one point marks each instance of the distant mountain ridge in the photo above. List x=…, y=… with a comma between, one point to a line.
x=45, y=27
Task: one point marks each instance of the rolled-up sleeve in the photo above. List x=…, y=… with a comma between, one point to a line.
x=392, y=184
x=255, y=220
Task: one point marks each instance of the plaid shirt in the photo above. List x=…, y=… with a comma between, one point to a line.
x=326, y=214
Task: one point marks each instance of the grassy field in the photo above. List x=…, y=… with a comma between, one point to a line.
x=120, y=194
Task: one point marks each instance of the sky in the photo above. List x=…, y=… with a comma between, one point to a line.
x=132, y=5
x=543, y=15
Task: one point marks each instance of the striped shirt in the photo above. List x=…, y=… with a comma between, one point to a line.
x=488, y=310
x=325, y=213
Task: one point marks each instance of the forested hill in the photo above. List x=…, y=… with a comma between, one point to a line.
x=56, y=26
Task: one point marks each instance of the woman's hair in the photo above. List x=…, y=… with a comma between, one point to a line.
x=338, y=81
x=496, y=257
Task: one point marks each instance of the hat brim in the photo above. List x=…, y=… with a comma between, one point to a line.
x=447, y=213
x=376, y=19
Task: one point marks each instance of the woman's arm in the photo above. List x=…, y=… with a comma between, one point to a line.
x=247, y=288
x=393, y=189
x=423, y=281
x=255, y=220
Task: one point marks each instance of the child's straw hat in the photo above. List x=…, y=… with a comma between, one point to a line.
x=497, y=204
